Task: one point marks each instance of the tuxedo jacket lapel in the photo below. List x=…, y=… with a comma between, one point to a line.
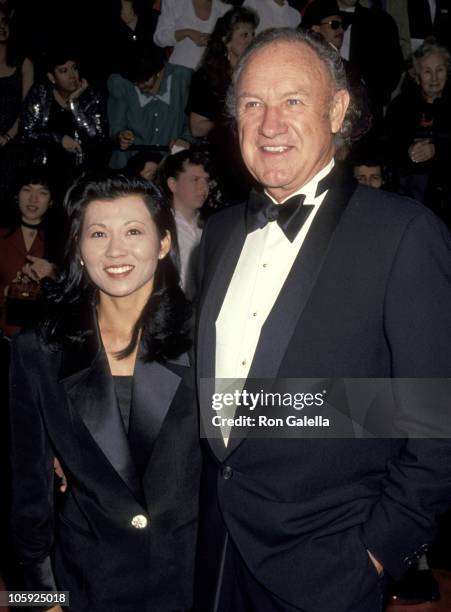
x=280, y=325
x=154, y=387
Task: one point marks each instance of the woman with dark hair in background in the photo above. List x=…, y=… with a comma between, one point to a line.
x=29, y=250
x=104, y=386
x=233, y=33
x=16, y=78
x=64, y=120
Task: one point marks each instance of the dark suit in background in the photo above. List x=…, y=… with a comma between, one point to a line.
x=375, y=52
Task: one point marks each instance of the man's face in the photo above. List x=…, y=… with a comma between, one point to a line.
x=149, y=86
x=332, y=30
x=369, y=175
x=287, y=115
x=190, y=189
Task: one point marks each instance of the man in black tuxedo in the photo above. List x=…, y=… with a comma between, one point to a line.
x=343, y=281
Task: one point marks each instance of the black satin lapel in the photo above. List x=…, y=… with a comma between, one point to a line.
x=154, y=387
x=281, y=322
x=280, y=325
x=92, y=396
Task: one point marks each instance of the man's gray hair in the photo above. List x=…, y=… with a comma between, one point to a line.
x=324, y=51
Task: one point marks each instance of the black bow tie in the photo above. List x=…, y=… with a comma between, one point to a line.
x=290, y=216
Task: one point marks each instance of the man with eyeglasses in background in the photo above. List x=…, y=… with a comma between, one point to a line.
x=323, y=16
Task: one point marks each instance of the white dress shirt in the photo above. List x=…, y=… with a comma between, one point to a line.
x=263, y=266
x=345, y=49
x=274, y=15
x=188, y=238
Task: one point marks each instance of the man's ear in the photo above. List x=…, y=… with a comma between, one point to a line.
x=51, y=78
x=338, y=108
x=172, y=184
x=316, y=28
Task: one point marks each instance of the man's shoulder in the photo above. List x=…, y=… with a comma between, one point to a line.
x=389, y=214
x=381, y=202
x=226, y=219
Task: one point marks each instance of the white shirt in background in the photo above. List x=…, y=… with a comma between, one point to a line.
x=188, y=237
x=273, y=15
x=346, y=46
x=180, y=15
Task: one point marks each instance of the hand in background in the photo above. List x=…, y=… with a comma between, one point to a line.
x=71, y=145
x=78, y=92
x=61, y=475
x=421, y=151
x=126, y=139
x=38, y=268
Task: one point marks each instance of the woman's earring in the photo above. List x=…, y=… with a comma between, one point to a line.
x=82, y=263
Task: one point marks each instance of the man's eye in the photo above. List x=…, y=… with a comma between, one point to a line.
x=293, y=102
x=252, y=104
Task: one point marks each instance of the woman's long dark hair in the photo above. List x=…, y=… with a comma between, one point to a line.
x=215, y=63
x=163, y=322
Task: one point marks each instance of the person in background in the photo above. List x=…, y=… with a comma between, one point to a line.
x=146, y=107
x=323, y=16
x=368, y=172
x=184, y=179
x=127, y=29
x=274, y=14
x=421, y=19
x=418, y=127
x=104, y=385
x=186, y=25
x=144, y=165
x=371, y=44
x=233, y=33
x=64, y=122
x=209, y=121
x=16, y=78
x=29, y=248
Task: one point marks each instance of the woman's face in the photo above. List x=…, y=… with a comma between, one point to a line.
x=65, y=77
x=240, y=40
x=432, y=75
x=34, y=201
x=120, y=247
x=4, y=27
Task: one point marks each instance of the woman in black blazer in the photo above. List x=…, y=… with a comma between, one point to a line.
x=104, y=387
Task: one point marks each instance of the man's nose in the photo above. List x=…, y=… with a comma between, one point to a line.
x=272, y=123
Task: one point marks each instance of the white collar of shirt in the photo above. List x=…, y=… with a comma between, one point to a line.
x=165, y=97
x=309, y=189
x=180, y=218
